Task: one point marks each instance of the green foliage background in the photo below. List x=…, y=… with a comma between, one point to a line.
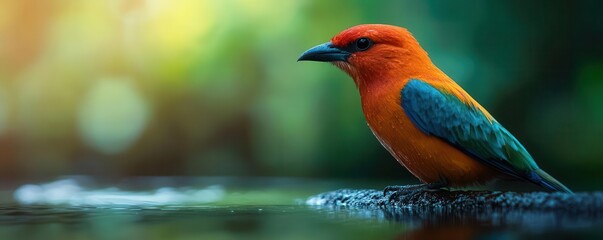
x=127, y=88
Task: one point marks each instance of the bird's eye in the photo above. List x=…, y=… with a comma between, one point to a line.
x=363, y=44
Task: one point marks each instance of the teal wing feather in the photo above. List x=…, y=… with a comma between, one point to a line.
x=445, y=116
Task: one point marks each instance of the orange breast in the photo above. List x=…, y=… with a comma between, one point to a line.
x=427, y=157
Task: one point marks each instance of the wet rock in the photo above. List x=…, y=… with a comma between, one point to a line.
x=461, y=200
x=534, y=211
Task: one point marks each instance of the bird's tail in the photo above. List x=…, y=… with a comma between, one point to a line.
x=543, y=179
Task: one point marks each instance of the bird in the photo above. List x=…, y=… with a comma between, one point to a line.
x=424, y=119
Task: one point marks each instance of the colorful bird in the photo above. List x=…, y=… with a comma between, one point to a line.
x=421, y=116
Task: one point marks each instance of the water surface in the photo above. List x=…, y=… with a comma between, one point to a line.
x=238, y=208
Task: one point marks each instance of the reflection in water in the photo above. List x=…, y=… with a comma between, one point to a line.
x=430, y=223
x=444, y=232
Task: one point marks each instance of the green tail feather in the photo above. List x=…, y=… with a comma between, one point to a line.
x=547, y=181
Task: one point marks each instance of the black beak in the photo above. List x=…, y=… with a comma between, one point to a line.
x=325, y=52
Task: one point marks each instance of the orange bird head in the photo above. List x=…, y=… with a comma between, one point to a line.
x=372, y=53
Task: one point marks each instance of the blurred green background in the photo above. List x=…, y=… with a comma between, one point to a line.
x=116, y=88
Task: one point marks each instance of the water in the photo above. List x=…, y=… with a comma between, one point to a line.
x=234, y=208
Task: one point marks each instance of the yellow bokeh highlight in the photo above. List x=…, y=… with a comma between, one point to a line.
x=177, y=26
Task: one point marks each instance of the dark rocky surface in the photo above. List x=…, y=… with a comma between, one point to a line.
x=534, y=210
x=462, y=200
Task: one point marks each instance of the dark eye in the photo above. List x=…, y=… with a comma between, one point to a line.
x=363, y=44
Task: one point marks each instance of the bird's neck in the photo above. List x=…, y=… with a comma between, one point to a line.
x=393, y=78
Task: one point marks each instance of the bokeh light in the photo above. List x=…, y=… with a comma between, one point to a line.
x=112, y=115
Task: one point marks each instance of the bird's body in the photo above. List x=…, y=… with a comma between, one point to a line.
x=427, y=157
x=421, y=116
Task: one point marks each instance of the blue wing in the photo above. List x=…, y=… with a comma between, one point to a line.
x=443, y=115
